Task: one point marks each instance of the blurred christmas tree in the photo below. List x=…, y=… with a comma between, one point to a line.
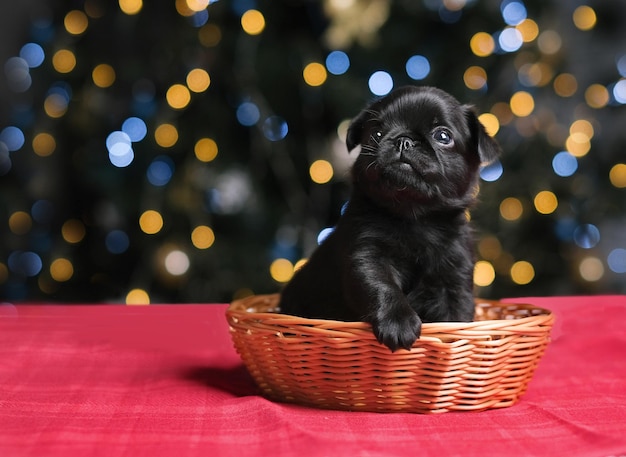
x=188, y=150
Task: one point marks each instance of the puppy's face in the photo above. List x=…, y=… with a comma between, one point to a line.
x=420, y=151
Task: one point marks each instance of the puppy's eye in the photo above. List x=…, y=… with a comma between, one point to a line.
x=378, y=134
x=443, y=136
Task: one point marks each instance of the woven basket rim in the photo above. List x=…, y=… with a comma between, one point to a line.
x=540, y=315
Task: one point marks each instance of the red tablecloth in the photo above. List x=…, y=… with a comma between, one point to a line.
x=163, y=380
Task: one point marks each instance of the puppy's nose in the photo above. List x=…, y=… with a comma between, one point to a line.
x=404, y=143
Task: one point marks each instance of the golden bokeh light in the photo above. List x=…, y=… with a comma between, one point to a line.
x=597, y=96
x=537, y=74
x=281, y=270
x=55, y=106
x=584, y=17
x=565, y=85
x=578, y=144
x=75, y=22
x=151, y=222
x=549, y=42
x=511, y=209
x=321, y=171
x=20, y=222
x=253, y=22
x=103, y=75
x=178, y=96
x=64, y=61
x=202, y=237
x=490, y=122
x=61, y=270
x=44, y=144
x=205, y=149
x=484, y=273
x=522, y=104
x=210, y=35
x=198, y=80
x=502, y=111
x=197, y=5
x=314, y=74
x=522, y=272
x=529, y=30
x=475, y=77
x=591, y=269
x=166, y=135
x=582, y=126
x=617, y=175
x=131, y=7
x=482, y=44
x=137, y=297
x=546, y=202
x=73, y=231
x=490, y=248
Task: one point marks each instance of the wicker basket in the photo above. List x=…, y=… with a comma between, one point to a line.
x=340, y=365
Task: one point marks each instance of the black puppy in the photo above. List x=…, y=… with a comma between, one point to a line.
x=402, y=252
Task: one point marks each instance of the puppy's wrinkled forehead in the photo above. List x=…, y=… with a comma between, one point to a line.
x=421, y=108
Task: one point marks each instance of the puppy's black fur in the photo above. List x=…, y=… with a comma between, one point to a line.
x=402, y=253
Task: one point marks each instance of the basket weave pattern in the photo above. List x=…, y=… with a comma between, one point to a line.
x=340, y=365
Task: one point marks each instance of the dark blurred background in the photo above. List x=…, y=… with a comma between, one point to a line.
x=192, y=151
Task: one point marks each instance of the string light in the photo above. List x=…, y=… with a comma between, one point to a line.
x=151, y=222
x=321, y=171
x=206, y=149
x=76, y=22
x=202, y=237
x=103, y=75
x=253, y=22
x=314, y=74
x=64, y=61
x=166, y=135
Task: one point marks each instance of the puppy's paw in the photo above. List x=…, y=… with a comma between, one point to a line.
x=399, y=329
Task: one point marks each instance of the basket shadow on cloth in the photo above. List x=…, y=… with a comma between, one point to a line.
x=453, y=366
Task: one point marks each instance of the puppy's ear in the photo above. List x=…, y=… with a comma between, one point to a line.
x=488, y=148
x=355, y=131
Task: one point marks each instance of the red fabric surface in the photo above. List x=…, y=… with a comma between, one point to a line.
x=163, y=380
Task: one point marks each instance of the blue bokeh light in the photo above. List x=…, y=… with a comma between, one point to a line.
x=160, y=171
x=510, y=39
x=25, y=263
x=417, y=67
x=617, y=260
x=621, y=65
x=619, y=91
x=380, y=83
x=492, y=172
x=199, y=18
x=324, y=234
x=135, y=128
x=121, y=153
x=337, y=62
x=449, y=16
x=564, y=164
x=513, y=12
x=17, y=74
x=12, y=137
x=33, y=54
x=586, y=236
x=275, y=128
x=42, y=211
x=248, y=114
x=117, y=242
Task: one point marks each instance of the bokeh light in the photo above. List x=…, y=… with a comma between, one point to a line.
x=321, y=171
x=135, y=128
x=417, y=67
x=546, y=202
x=202, y=237
x=586, y=236
x=529, y=30
x=511, y=209
x=584, y=17
x=281, y=270
x=617, y=260
x=177, y=262
x=492, y=172
x=564, y=164
x=522, y=272
x=337, y=62
x=117, y=242
x=597, y=96
x=33, y=54
x=253, y=22
x=490, y=122
x=314, y=74
x=482, y=44
x=513, y=12
x=20, y=222
x=13, y=138
x=591, y=269
x=61, y=269
x=380, y=83
x=178, y=96
x=64, y=61
x=198, y=80
x=160, y=171
x=73, y=231
x=151, y=222
x=275, y=128
x=76, y=22
x=206, y=149
x=484, y=273
x=565, y=85
x=137, y=297
x=475, y=77
x=617, y=175
x=166, y=135
x=522, y=104
x=103, y=75
x=131, y=7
